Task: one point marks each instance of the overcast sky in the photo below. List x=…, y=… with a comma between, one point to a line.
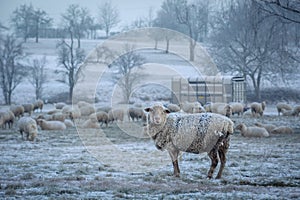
x=129, y=9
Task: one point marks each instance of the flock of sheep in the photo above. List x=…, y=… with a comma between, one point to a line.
x=188, y=127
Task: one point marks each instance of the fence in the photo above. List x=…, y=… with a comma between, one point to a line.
x=208, y=89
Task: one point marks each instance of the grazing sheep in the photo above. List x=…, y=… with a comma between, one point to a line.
x=68, y=123
x=81, y=104
x=135, y=113
x=74, y=113
x=173, y=107
x=283, y=107
x=59, y=105
x=268, y=127
x=18, y=110
x=28, y=108
x=193, y=133
x=58, y=117
x=192, y=107
x=219, y=108
x=282, y=130
x=86, y=110
x=104, y=109
x=252, y=131
x=237, y=108
x=7, y=118
x=38, y=104
x=51, y=112
x=116, y=115
x=258, y=108
x=91, y=123
x=28, y=126
x=294, y=112
x=51, y=125
x=102, y=117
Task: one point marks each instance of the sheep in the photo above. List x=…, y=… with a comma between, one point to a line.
x=173, y=107
x=92, y=122
x=268, y=127
x=18, y=110
x=28, y=126
x=68, y=123
x=294, y=112
x=7, y=118
x=58, y=117
x=252, y=131
x=192, y=133
x=81, y=104
x=135, y=113
x=38, y=104
x=86, y=110
x=282, y=106
x=73, y=113
x=100, y=117
x=59, y=105
x=282, y=130
x=51, y=112
x=51, y=125
x=104, y=108
x=237, y=108
x=28, y=108
x=219, y=108
x=192, y=107
x=116, y=115
x=258, y=108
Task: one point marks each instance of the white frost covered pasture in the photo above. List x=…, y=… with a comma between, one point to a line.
x=59, y=164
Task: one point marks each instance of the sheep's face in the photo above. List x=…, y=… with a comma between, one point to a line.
x=158, y=114
x=240, y=127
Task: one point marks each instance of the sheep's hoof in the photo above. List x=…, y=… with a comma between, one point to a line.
x=177, y=175
x=209, y=177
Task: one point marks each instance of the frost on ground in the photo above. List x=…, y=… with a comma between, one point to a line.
x=59, y=166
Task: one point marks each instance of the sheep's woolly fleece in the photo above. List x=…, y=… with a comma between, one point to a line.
x=192, y=133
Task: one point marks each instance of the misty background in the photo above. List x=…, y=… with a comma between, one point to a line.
x=255, y=39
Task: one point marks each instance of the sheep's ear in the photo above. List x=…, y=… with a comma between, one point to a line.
x=167, y=111
x=148, y=109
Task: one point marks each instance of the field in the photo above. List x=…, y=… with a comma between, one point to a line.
x=60, y=166
x=119, y=162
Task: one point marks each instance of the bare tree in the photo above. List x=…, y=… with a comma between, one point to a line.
x=195, y=18
x=28, y=21
x=125, y=65
x=37, y=76
x=11, y=71
x=288, y=10
x=22, y=20
x=70, y=58
x=40, y=20
x=76, y=21
x=166, y=18
x=250, y=43
x=108, y=16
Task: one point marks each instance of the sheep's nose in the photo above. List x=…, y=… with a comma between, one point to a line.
x=157, y=119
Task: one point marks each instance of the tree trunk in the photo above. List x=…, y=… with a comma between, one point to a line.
x=168, y=44
x=78, y=43
x=192, y=49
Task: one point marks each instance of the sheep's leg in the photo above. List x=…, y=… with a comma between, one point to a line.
x=174, y=156
x=21, y=132
x=213, y=155
x=222, y=155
